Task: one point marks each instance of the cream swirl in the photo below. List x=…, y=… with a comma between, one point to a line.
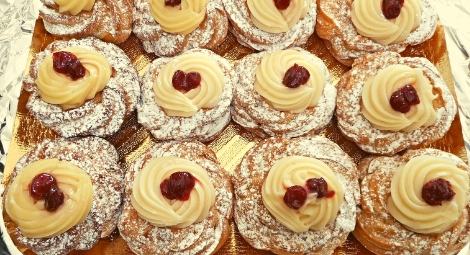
x=369, y=21
x=30, y=215
x=265, y=15
x=315, y=214
x=206, y=95
x=407, y=205
x=57, y=88
x=74, y=6
x=376, y=99
x=269, y=75
x=181, y=19
x=151, y=205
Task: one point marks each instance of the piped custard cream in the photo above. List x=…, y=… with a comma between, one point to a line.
x=180, y=19
x=270, y=73
x=376, y=99
x=57, y=88
x=206, y=95
x=407, y=205
x=74, y=6
x=315, y=214
x=151, y=205
x=30, y=215
x=265, y=15
x=369, y=21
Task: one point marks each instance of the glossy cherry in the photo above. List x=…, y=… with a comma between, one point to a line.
x=319, y=186
x=282, y=4
x=295, y=76
x=67, y=63
x=40, y=185
x=402, y=99
x=392, y=8
x=178, y=186
x=54, y=198
x=172, y=3
x=436, y=191
x=185, y=82
x=295, y=197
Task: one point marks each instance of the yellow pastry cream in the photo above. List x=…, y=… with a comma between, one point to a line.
x=31, y=216
x=74, y=6
x=207, y=95
x=376, y=99
x=58, y=88
x=270, y=73
x=179, y=19
x=370, y=22
x=151, y=205
x=406, y=203
x=265, y=15
x=315, y=213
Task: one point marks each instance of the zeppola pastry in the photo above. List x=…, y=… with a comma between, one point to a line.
x=178, y=200
x=170, y=27
x=416, y=203
x=187, y=96
x=296, y=196
x=82, y=87
x=283, y=93
x=65, y=194
x=352, y=28
x=387, y=103
x=270, y=25
x=111, y=21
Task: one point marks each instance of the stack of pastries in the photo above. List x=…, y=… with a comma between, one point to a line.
x=295, y=191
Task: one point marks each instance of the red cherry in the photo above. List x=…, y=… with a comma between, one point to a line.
x=40, y=185
x=402, y=99
x=295, y=197
x=67, y=63
x=281, y=4
x=317, y=185
x=185, y=82
x=436, y=191
x=391, y=8
x=172, y=3
x=54, y=198
x=295, y=76
x=178, y=186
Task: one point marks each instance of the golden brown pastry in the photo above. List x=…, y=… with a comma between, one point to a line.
x=373, y=111
x=283, y=93
x=65, y=194
x=352, y=28
x=416, y=203
x=87, y=92
x=167, y=28
x=296, y=196
x=265, y=25
x=111, y=21
x=178, y=200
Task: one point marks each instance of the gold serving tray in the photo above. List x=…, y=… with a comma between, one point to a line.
x=230, y=146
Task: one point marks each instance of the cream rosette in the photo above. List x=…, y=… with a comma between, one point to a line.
x=315, y=214
x=269, y=75
x=407, y=205
x=181, y=19
x=30, y=215
x=265, y=15
x=206, y=95
x=376, y=99
x=57, y=88
x=151, y=205
x=74, y=6
x=369, y=21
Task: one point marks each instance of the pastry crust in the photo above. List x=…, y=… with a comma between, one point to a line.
x=355, y=127
x=209, y=34
x=109, y=20
x=204, y=125
x=205, y=237
x=251, y=36
x=380, y=233
x=334, y=25
x=101, y=116
x=257, y=115
x=99, y=159
x=257, y=225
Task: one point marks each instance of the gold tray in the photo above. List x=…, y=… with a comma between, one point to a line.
x=132, y=139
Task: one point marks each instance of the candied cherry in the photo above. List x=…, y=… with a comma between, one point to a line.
x=436, y=191
x=281, y=4
x=391, y=8
x=67, y=63
x=402, y=99
x=54, y=198
x=172, y=3
x=178, y=186
x=40, y=185
x=185, y=82
x=295, y=197
x=295, y=76
x=319, y=186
